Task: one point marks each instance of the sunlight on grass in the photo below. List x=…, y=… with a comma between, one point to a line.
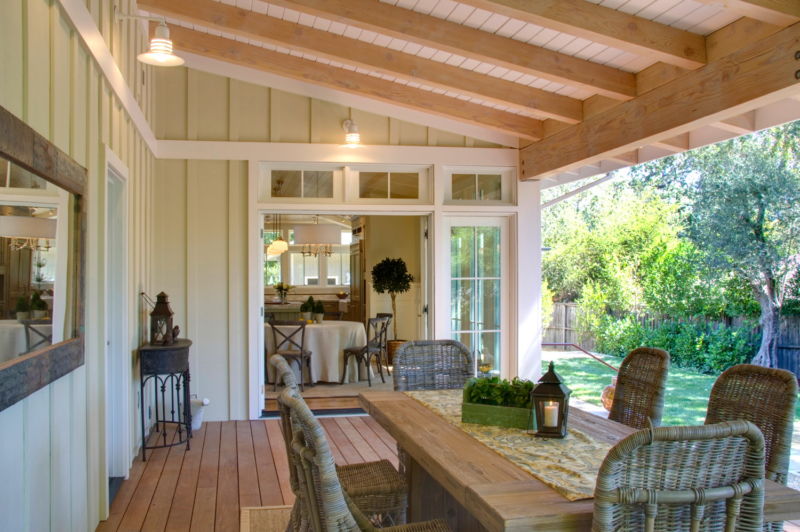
x=687, y=391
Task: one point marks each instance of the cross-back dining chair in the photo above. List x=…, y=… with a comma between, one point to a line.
x=376, y=328
x=289, y=339
x=766, y=397
x=385, y=341
x=326, y=507
x=641, y=383
x=375, y=487
x=667, y=479
x=432, y=365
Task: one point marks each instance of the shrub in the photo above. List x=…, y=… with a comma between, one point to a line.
x=500, y=392
x=706, y=348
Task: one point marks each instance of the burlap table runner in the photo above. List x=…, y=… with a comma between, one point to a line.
x=568, y=465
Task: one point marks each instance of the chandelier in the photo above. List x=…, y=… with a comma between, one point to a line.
x=317, y=239
x=27, y=232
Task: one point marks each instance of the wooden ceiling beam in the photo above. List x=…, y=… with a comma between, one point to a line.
x=471, y=43
x=607, y=26
x=353, y=82
x=266, y=29
x=754, y=76
x=778, y=12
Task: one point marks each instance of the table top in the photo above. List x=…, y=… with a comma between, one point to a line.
x=499, y=494
x=330, y=324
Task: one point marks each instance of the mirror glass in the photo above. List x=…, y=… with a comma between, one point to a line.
x=36, y=287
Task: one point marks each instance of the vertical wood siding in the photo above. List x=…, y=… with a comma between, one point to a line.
x=52, y=449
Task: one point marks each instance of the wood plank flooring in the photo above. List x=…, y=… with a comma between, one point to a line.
x=231, y=464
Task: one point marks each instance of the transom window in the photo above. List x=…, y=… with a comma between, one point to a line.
x=301, y=183
x=388, y=185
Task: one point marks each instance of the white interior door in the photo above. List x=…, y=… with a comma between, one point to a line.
x=479, y=290
x=117, y=354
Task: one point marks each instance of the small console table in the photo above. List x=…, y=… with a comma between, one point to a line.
x=168, y=367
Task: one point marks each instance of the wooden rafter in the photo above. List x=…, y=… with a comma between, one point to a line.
x=471, y=43
x=607, y=26
x=753, y=76
x=320, y=74
x=778, y=12
x=263, y=28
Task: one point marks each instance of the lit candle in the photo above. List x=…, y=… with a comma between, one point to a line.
x=551, y=414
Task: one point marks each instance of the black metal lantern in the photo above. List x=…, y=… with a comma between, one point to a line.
x=161, y=322
x=550, y=403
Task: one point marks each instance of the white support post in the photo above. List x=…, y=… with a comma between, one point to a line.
x=528, y=237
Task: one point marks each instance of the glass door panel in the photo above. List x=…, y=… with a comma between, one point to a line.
x=476, y=288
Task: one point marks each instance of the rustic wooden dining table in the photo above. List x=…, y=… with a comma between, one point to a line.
x=455, y=477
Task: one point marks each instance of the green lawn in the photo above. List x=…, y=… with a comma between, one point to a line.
x=687, y=390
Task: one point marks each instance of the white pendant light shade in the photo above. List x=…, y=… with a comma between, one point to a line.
x=317, y=234
x=277, y=247
x=160, y=53
x=27, y=227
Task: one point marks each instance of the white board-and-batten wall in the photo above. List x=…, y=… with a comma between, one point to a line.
x=52, y=444
x=215, y=133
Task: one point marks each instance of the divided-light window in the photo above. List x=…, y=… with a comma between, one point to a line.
x=477, y=187
x=388, y=185
x=302, y=183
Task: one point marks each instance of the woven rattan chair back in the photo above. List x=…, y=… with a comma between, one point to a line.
x=320, y=491
x=288, y=336
x=706, y=478
x=641, y=383
x=432, y=365
x=283, y=371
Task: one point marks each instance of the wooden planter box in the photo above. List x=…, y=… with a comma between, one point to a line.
x=500, y=416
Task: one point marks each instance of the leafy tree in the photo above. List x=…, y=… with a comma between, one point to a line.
x=741, y=201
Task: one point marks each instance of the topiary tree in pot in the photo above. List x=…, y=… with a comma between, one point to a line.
x=391, y=275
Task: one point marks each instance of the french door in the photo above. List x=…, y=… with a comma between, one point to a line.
x=478, y=287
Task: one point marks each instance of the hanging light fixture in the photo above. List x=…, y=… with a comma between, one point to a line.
x=278, y=244
x=317, y=239
x=352, y=138
x=26, y=232
x=160, y=52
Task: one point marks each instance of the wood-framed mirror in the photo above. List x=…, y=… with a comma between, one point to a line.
x=42, y=257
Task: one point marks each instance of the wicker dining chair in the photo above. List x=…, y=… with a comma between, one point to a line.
x=376, y=328
x=432, y=365
x=766, y=397
x=641, y=383
x=378, y=490
x=289, y=339
x=704, y=478
x=326, y=507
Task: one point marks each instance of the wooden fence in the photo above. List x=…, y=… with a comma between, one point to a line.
x=563, y=329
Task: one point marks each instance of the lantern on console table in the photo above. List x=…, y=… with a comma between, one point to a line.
x=161, y=332
x=550, y=403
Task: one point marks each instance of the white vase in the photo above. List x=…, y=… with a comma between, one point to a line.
x=23, y=315
x=39, y=314
x=318, y=317
x=305, y=316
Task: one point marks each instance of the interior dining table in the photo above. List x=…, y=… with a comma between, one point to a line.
x=455, y=477
x=327, y=342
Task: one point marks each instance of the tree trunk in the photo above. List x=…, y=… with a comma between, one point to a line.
x=394, y=314
x=770, y=330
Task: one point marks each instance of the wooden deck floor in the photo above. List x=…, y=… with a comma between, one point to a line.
x=232, y=464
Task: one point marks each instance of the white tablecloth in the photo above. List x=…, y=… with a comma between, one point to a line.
x=327, y=341
x=12, y=338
